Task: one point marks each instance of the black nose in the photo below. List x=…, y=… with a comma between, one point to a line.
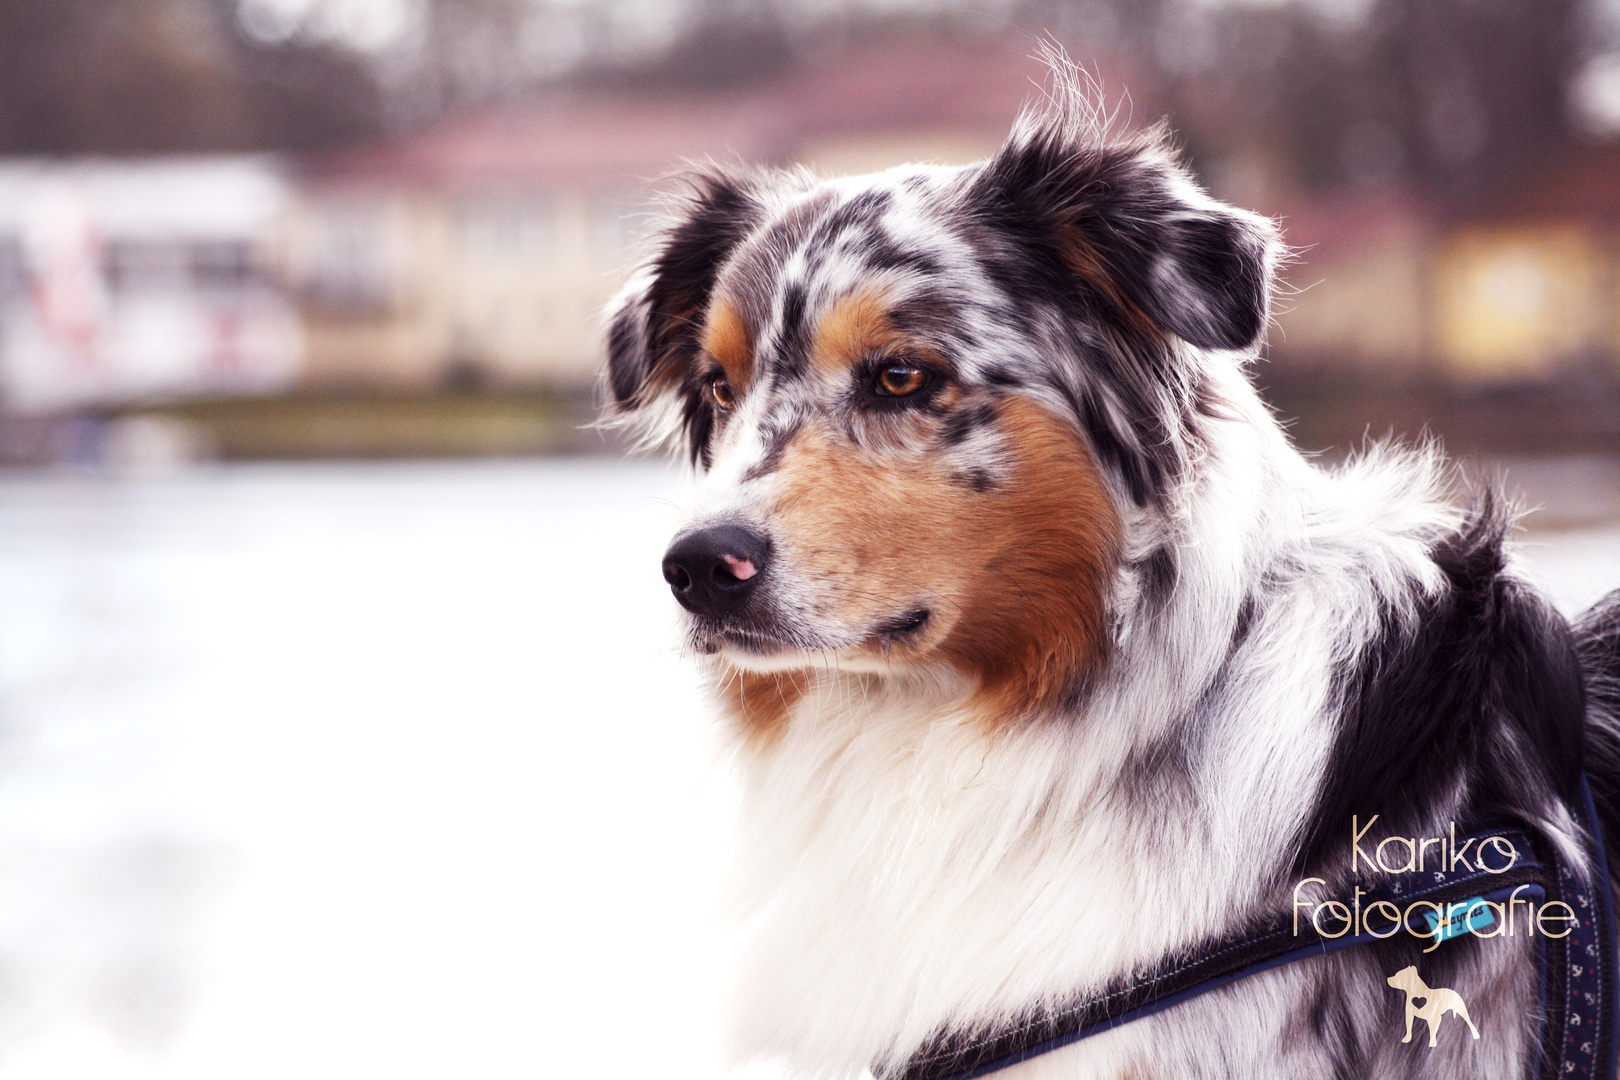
x=712, y=571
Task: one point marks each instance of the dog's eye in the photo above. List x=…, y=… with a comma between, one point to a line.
x=900, y=380
x=720, y=390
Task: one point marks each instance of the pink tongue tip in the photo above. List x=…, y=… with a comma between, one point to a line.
x=741, y=569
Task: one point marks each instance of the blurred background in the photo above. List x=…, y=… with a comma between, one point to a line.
x=340, y=727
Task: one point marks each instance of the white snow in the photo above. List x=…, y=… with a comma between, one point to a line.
x=382, y=770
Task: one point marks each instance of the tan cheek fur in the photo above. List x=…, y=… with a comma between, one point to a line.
x=1035, y=622
x=1016, y=578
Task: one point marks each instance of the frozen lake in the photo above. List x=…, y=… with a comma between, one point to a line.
x=372, y=770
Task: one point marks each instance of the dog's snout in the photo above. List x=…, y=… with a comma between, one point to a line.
x=713, y=570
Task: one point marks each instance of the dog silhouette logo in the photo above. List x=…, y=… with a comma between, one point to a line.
x=1431, y=1003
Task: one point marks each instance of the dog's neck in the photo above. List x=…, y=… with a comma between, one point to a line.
x=895, y=850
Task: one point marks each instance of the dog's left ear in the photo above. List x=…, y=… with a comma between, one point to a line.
x=1119, y=212
x=655, y=322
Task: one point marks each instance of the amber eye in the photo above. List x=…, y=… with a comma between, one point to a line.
x=901, y=380
x=720, y=390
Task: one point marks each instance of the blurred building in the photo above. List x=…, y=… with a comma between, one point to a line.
x=477, y=253
x=1536, y=273
x=1520, y=287
x=1355, y=302
x=124, y=281
x=481, y=251
x=439, y=292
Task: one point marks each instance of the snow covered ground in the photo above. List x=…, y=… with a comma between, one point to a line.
x=372, y=770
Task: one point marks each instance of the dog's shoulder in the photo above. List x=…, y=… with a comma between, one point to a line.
x=1470, y=689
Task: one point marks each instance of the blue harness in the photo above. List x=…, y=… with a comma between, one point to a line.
x=1579, y=1025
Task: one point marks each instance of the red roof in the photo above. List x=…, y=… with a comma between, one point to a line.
x=1582, y=185
x=897, y=85
x=1332, y=224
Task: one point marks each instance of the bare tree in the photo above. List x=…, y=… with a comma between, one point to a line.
x=125, y=76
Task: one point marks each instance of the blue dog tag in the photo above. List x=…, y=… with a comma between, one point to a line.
x=1471, y=914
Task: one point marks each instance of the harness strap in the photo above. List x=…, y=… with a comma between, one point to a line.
x=1578, y=972
x=1578, y=1036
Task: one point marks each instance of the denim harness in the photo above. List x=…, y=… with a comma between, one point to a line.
x=1577, y=971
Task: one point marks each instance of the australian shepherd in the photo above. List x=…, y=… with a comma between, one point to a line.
x=1045, y=654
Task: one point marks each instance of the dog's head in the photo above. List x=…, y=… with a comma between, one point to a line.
x=922, y=401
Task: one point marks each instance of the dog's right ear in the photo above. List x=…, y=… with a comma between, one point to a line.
x=655, y=323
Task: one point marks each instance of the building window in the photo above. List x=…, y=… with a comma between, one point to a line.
x=224, y=265
x=13, y=272
x=507, y=230
x=350, y=265
x=615, y=227
x=144, y=265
